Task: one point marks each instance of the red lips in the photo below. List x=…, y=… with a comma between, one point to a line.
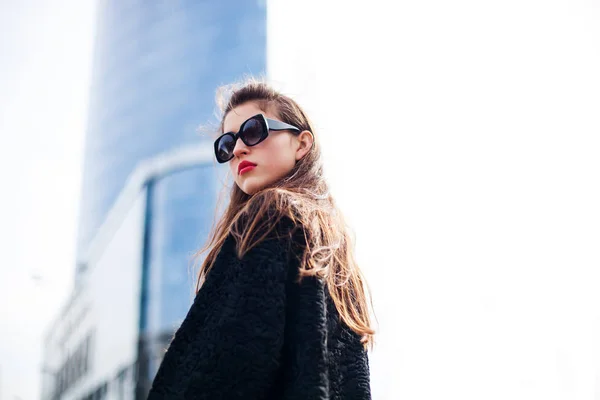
x=245, y=166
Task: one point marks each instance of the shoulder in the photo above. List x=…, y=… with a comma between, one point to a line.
x=281, y=236
x=272, y=216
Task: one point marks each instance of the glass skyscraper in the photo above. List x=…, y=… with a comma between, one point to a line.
x=156, y=66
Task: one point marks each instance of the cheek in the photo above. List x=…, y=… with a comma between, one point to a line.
x=280, y=159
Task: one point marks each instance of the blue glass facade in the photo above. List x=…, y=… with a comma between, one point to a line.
x=157, y=64
x=181, y=210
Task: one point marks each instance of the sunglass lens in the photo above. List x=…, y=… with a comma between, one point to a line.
x=225, y=148
x=252, y=133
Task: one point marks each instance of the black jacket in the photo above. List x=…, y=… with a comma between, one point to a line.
x=254, y=332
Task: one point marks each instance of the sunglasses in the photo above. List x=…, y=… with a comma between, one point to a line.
x=253, y=131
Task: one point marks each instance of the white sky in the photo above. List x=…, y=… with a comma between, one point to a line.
x=461, y=139
x=44, y=76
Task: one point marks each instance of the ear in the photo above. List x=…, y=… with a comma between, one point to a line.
x=305, y=142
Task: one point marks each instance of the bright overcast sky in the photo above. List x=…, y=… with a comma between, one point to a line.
x=45, y=53
x=461, y=139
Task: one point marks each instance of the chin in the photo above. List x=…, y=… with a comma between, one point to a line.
x=249, y=192
x=249, y=187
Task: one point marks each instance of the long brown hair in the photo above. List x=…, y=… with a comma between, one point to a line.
x=303, y=197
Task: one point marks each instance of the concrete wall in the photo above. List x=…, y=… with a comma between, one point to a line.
x=107, y=308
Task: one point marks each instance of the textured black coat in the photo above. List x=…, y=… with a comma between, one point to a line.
x=254, y=332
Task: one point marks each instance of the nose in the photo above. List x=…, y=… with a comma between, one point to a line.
x=240, y=148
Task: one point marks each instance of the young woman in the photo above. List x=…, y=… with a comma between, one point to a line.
x=281, y=311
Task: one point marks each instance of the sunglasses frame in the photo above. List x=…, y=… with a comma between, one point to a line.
x=267, y=125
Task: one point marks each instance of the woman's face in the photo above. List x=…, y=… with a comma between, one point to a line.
x=273, y=158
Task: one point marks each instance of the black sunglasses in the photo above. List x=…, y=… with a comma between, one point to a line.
x=253, y=131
